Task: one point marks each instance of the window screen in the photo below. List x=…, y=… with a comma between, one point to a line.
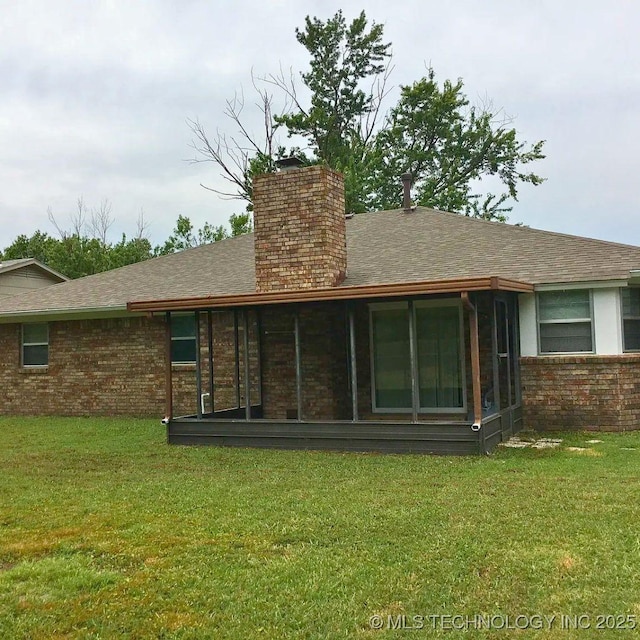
x=565, y=323
x=35, y=344
x=183, y=338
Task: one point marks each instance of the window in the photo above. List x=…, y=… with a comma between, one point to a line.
x=35, y=345
x=183, y=339
x=565, y=321
x=438, y=356
x=631, y=319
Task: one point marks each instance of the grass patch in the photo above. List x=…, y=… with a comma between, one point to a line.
x=105, y=531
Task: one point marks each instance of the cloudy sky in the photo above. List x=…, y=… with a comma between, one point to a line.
x=95, y=98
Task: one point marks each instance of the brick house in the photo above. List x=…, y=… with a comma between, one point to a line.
x=402, y=330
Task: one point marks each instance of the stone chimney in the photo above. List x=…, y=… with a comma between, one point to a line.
x=299, y=229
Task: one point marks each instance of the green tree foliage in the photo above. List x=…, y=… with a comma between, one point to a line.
x=77, y=254
x=433, y=131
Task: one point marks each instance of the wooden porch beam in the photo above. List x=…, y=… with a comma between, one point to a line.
x=388, y=290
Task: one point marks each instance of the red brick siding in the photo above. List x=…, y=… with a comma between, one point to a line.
x=96, y=367
x=116, y=367
x=300, y=232
x=581, y=392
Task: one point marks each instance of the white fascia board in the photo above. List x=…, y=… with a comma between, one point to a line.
x=50, y=315
x=588, y=284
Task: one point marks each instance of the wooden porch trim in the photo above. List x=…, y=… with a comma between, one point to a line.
x=390, y=290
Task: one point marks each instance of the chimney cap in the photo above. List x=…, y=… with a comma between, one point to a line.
x=406, y=177
x=292, y=162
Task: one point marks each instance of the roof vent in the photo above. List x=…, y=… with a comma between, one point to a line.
x=407, y=179
x=287, y=164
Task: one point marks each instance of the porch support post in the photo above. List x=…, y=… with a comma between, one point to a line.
x=296, y=336
x=354, y=370
x=168, y=381
x=415, y=391
x=247, y=368
x=210, y=345
x=236, y=348
x=495, y=359
x=475, y=361
x=198, y=367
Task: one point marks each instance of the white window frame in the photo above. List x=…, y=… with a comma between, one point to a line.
x=590, y=320
x=443, y=302
x=24, y=344
x=623, y=317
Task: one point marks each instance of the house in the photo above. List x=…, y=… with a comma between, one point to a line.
x=403, y=330
x=26, y=274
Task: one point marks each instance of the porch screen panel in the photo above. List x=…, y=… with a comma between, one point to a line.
x=439, y=362
x=391, y=358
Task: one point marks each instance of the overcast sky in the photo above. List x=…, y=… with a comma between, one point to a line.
x=95, y=98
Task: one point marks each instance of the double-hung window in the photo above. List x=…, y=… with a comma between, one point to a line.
x=183, y=338
x=437, y=353
x=631, y=318
x=565, y=321
x=35, y=344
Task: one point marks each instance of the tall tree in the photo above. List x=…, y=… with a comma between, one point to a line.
x=434, y=132
x=448, y=146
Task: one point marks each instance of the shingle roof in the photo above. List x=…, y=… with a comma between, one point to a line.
x=382, y=247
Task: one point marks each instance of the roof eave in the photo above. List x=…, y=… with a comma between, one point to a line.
x=33, y=315
x=335, y=293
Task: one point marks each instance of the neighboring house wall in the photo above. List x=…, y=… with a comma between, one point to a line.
x=599, y=390
x=23, y=280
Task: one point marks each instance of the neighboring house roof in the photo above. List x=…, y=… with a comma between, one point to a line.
x=21, y=263
x=19, y=277
x=382, y=248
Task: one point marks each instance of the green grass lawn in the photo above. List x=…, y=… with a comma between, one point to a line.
x=107, y=532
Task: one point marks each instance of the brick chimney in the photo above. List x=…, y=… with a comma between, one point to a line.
x=299, y=227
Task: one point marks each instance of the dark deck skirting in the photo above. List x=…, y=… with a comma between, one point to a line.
x=450, y=438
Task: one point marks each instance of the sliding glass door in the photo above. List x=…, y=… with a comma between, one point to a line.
x=438, y=356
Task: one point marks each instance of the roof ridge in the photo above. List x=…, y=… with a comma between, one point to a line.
x=510, y=225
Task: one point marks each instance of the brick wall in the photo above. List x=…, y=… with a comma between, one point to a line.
x=96, y=367
x=581, y=392
x=300, y=232
x=117, y=367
